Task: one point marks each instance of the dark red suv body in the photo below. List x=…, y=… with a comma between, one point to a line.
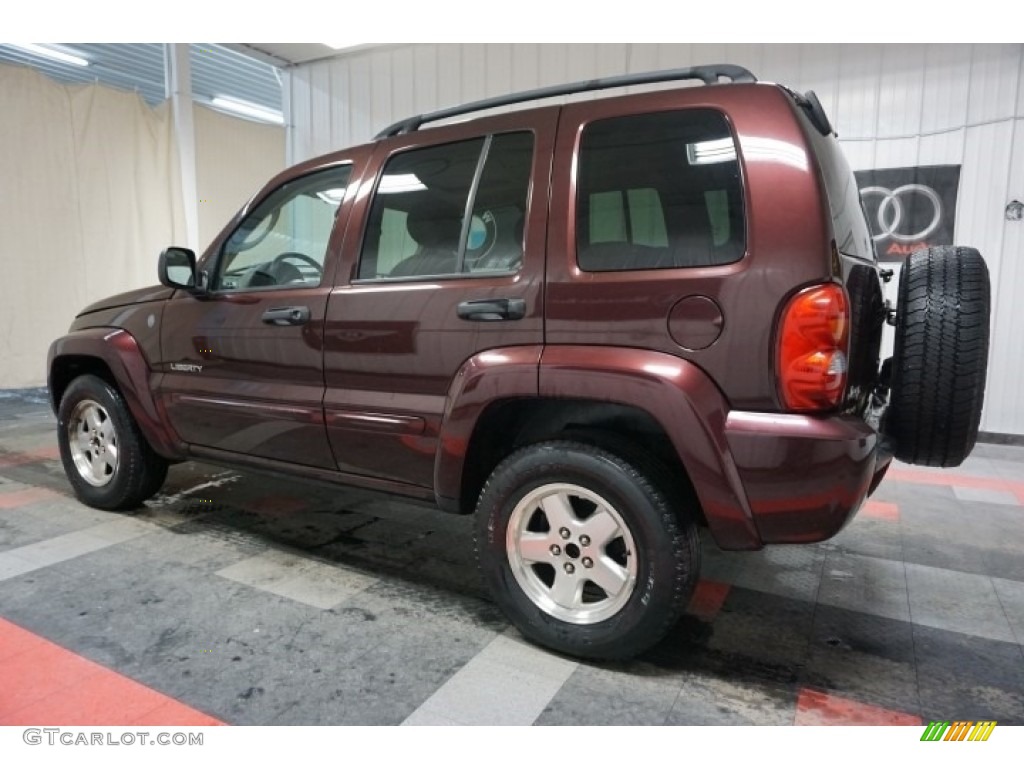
x=678, y=286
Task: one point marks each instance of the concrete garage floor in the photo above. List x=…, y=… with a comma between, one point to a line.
x=259, y=601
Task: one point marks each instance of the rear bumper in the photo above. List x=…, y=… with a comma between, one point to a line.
x=804, y=477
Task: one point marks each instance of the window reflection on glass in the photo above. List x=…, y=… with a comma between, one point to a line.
x=418, y=227
x=283, y=241
x=659, y=191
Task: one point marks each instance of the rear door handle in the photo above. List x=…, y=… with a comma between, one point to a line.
x=286, y=316
x=490, y=310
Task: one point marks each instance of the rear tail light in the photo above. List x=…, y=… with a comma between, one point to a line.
x=813, y=344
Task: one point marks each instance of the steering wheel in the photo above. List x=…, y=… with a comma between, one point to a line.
x=273, y=269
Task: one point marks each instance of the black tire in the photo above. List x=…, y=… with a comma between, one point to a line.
x=665, y=549
x=940, y=356
x=138, y=471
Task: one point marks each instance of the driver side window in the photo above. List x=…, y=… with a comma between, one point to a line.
x=283, y=240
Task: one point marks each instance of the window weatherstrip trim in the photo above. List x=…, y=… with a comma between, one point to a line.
x=467, y=216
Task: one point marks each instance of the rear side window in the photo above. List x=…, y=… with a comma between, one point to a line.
x=659, y=191
x=454, y=209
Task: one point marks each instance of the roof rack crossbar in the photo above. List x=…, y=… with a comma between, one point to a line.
x=709, y=74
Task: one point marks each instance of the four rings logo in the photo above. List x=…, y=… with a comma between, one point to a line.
x=909, y=208
x=891, y=211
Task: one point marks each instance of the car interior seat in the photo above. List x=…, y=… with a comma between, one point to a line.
x=436, y=232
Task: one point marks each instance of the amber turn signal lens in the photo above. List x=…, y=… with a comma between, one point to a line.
x=813, y=344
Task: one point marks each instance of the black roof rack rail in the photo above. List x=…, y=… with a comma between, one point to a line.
x=709, y=74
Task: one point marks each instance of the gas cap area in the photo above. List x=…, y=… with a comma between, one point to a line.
x=695, y=322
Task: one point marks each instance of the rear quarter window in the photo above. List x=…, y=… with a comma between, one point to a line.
x=659, y=191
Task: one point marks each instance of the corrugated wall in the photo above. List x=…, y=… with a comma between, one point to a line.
x=893, y=105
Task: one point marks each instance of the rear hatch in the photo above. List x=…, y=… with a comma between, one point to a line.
x=854, y=260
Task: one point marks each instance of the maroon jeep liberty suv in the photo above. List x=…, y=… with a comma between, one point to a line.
x=596, y=326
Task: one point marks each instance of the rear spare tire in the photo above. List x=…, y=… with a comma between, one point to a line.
x=940, y=356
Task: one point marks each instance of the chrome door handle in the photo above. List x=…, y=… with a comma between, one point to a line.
x=286, y=316
x=491, y=310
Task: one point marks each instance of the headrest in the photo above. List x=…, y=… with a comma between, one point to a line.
x=435, y=227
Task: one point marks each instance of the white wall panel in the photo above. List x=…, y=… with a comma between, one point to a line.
x=893, y=153
x=860, y=72
x=942, y=148
x=424, y=77
x=900, y=90
x=360, y=120
x=526, y=65
x=819, y=71
x=322, y=104
x=892, y=105
x=1006, y=384
x=947, y=79
x=981, y=223
x=993, y=86
x=783, y=61
x=860, y=154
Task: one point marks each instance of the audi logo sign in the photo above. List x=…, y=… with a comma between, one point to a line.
x=909, y=208
x=891, y=218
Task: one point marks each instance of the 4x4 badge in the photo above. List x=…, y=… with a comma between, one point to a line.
x=187, y=367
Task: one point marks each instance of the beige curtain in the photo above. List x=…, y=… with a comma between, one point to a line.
x=234, y=158
x=89, y=194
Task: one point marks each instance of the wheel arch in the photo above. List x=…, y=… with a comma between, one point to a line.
x=114, y=356
x=664, y=404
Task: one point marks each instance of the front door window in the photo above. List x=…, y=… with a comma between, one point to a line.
x=283, y=241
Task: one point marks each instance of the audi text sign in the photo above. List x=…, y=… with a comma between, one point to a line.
x=909, y=208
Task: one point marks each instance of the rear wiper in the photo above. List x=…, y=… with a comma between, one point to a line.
x=811, y=105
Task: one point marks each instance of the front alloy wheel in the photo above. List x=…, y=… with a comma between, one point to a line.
x=106, y=458
x=92, y=439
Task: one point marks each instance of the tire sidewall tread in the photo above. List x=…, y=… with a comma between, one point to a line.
x=664, y=535
x=940, y=356
x=140, y=471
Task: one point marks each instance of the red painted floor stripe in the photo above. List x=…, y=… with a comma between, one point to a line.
x=820, y=708
x=44, y=684
x=49, y=453
x=952, y=478
x=707, y=600
x=15, y=640
x=26, y=496
x=881, y=510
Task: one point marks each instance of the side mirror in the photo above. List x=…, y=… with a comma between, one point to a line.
x=177, y=269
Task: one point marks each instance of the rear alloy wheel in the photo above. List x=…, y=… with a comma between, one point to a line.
x=583, y=551
x=581, y=570
x=940, y=356
x=106, y=458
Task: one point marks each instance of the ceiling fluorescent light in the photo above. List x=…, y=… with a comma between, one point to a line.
x=49, y=52
x=332, y=196
x=400, y=182
x=708, y=152
x=248, y=109
x=341, y=46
